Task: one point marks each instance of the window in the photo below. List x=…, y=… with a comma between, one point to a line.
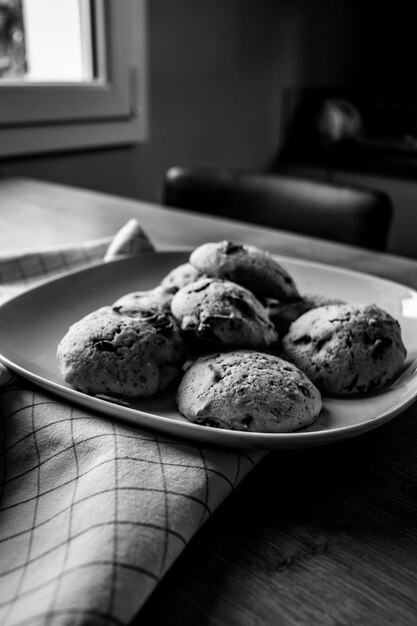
x=71, y=74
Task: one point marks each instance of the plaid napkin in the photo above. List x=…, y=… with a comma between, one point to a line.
x=92, y=512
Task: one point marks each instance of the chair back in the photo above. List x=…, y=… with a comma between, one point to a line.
x=338, y=212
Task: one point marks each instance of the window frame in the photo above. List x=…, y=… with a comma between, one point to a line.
x=44, y=117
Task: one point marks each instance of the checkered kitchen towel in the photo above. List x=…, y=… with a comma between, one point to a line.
x=92, y=512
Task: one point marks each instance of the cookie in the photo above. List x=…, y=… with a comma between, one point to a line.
x=246, y=265
x=249, y=391
x=346, y=349
x=115, y=354
x=157, y=299
x=223, y=312
x=283, y=314
x=180, y=276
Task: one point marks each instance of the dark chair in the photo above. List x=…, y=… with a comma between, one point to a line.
x=339, y=212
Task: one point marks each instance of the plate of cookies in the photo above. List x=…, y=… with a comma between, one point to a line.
x=225, y=344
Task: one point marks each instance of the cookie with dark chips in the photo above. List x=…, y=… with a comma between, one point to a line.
x=346, y=349
x=254, y=269
x=222, y=312
x=116, y=354
x=249, y=391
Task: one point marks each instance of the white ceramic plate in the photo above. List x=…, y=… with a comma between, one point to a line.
x=32, y=324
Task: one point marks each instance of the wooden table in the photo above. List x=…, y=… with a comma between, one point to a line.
x=325, y=535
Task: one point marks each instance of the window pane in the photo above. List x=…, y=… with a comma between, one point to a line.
x=12, y=42
x=58, y=36
x=49, y=41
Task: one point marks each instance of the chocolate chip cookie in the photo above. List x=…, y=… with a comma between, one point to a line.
x=111, y=353
x=222, y=312
x=346, y=349
x=248, y=391
x=246, y=265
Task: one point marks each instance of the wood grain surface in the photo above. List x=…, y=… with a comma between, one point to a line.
x=319, y=536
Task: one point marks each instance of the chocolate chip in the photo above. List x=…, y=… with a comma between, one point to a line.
x=305, y=391
x=204, y=286
x=304, y=339
x=367, y=339
x=104, y=346
x=321, y=342
x=163, y=325
x=379, y=347
x=353, y=383
x=229, y=247
x=247, y=420
x=243, y=307
x=217, y=376
x=206, y=332
x=209, y=421
x=148, y=313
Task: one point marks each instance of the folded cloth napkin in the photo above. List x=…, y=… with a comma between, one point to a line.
x=93, y=512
